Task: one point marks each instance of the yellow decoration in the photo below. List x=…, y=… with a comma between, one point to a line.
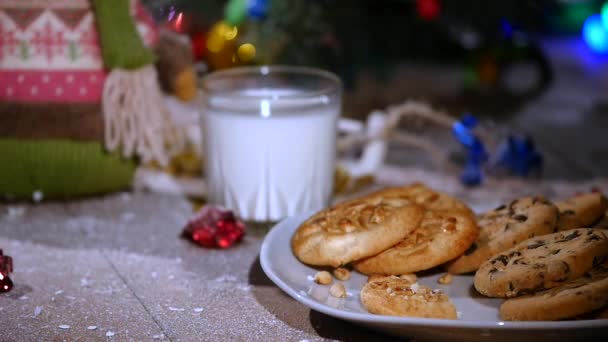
x=185, y=84
x=246, y=52
x=224, y=50
x=221, y=46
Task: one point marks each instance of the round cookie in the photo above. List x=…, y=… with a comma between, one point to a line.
x=355, y=229
x=394, y=296
x=581, y=211
x=505, y=227
x=425, y=196
x=576, y=297
x=442, y=236
x=542, y=263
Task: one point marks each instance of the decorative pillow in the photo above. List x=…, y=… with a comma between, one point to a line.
x=62, y=125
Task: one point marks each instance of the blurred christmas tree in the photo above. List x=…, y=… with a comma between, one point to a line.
x=346, y=36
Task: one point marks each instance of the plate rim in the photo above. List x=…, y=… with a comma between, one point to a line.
x=396, y=320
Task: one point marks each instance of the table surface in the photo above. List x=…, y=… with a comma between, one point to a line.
x=117, y=263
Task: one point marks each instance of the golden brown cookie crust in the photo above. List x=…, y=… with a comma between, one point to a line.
x=394, y=296
x=581, y=211
x=424, y=196
x=355, y=229
x=442, y=236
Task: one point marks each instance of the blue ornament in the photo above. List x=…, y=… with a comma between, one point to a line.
x=475, y=150
x=518, y=155
x=257, y=9
x=471, y=174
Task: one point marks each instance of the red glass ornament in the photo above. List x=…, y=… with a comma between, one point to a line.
x=214, y=226
x=428, y=9
x=6, y=284
x=6, y=267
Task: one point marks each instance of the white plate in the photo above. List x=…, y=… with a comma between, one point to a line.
x=478, y=316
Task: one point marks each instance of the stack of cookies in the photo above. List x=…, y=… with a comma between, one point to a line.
x=541, y=261
x=394, y=231
x=551, y=277
x=530, y=251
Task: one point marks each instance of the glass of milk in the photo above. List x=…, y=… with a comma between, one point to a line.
x=269, y=138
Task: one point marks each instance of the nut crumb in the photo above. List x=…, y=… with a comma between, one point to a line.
x=342, y=273
x=337, y=290
x=409, y=277
x=445, y=279
x=323, y=278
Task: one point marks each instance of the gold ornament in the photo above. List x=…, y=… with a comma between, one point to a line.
x=225, y=47
x=221, y=46
x=246, y=52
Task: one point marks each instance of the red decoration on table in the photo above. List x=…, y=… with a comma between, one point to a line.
x=214, y=226
x=6, y=267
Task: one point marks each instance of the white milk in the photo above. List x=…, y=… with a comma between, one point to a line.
x=269, y=159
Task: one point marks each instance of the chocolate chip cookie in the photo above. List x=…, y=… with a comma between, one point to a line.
x=542, y=263
x=576, y=297
x=581, y=211
x=505, y=227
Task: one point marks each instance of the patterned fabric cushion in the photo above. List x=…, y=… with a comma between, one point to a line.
x=51, y=81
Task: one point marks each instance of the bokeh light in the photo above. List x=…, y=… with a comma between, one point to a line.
x=595, y=34
x=605, y=15
x=246, y=52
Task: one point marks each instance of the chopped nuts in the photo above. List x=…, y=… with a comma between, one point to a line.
x=323, y=278
x=445, y=279
x=409, y=277
x=337, y=290
x=342, y=273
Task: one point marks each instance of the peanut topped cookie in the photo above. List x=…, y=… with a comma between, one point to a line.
x=395, y=296
x=424, y=196
x=576, y=297
x=442, y=236
x=505, y=227
x=542, y=262
x=355, y=229
x=581, y=211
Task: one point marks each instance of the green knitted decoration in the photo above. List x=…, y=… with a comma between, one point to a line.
x=60, y=169
x=121, y=45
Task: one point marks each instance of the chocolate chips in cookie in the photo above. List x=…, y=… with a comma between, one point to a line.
x=542, y=263
x=570, y=299
x=505, y=227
